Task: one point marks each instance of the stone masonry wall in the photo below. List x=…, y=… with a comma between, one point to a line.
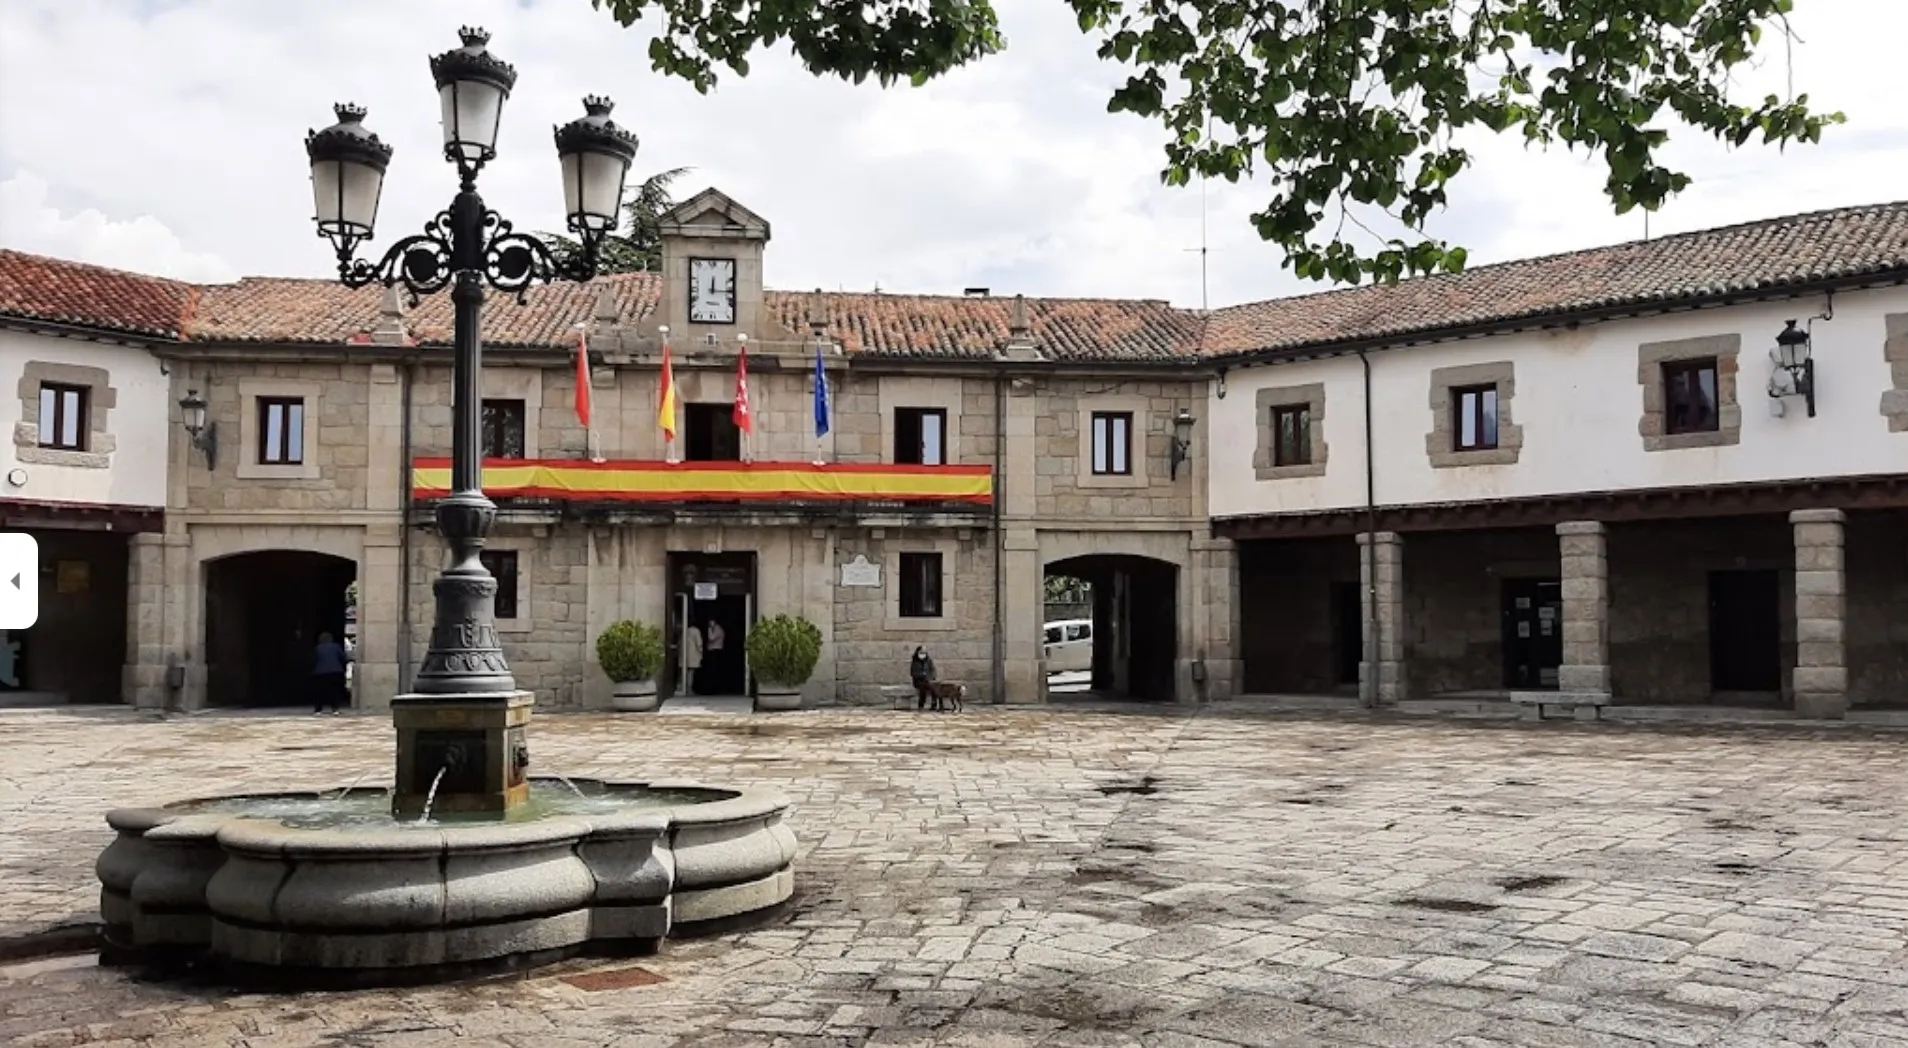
x=337, y=394
x=546, y=648
x=873, y=644
x=1065, y=486
x=1454, y=603
x=624, y=410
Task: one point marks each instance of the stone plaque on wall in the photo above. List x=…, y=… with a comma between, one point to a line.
x=859, y=572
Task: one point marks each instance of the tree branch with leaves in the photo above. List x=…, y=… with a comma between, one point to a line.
x=1347, y=109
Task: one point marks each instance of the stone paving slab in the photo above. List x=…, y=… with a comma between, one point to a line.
x=1099, y=877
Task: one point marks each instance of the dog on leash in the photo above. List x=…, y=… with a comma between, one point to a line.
x=946, y=696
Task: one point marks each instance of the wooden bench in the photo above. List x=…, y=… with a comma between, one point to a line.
x=1547, y=705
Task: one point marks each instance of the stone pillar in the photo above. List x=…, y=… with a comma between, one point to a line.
x=143, y=682
x=1821, y=609
x=1214, y=612
x=1586, y=608
x=374, y=674
x=185, y=617
x=1025, y=610
x=1381, y=671
x=386, y=474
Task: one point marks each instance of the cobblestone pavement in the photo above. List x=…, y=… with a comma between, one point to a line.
x=1077, y=877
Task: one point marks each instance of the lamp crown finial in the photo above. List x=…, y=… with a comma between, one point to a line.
x=474, y=36
x=349, y=112
x=597, y=105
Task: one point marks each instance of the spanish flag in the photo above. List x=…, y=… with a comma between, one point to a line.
x=666, y=408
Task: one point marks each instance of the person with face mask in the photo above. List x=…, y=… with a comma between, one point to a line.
x=921, y=672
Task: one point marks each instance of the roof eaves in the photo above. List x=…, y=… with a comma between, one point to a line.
x=1613, y=309
x=58, y=325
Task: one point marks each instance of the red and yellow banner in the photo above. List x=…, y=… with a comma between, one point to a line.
x=577, y=480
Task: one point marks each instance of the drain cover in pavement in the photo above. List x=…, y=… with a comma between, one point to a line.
x=615, y=979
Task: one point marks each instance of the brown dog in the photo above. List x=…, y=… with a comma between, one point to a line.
x=946, y=696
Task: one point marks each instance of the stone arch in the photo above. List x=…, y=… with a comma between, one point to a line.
x=265, y=596
x=1137, y=584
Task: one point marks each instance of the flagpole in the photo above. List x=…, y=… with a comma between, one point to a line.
x=666, y=407
x=822, y=405
x=585, y=394
x=744, y=412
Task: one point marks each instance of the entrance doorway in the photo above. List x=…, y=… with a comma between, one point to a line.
x=711, y=607
x=710, y=433
x=1135, y=625
x=1348, y=632
x=263, y=614
x=76, y=651
x=1745, y=631
x=1533, y=633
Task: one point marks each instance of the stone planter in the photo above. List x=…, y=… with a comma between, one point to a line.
x=633, y=696
x=777, y=698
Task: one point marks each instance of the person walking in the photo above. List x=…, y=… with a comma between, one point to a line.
x=921, y=672
x=328, y=661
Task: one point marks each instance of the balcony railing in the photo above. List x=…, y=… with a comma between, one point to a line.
x=583, y=481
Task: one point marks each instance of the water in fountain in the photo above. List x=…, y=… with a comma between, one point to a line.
x=354, y=783
x=370, y=807
x=565, y=780
x=430, y=798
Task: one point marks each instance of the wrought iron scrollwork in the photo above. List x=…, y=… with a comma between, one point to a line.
x=514, y=262
x=424, y=264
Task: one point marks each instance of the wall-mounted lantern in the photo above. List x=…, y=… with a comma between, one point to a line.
x=1794, y=374
x=1182, y=442
x=204, y=434
x=1219, y=388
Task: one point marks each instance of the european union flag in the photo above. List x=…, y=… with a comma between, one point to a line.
x=821, y=396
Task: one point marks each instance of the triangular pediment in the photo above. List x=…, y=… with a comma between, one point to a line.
x=713, y=213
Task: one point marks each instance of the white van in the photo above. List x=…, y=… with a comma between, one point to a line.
x=1069, y=646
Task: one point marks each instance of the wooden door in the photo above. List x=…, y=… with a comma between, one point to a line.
x=1745, y=631
x=1533, y=633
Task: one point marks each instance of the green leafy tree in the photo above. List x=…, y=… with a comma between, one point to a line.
x=1348, y=108
x=639, y=245
x=1065, y=589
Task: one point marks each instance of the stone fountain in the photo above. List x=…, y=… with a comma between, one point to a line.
x=466, y=861
x=360, y=886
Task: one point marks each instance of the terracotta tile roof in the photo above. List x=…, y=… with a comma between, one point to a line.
x=943, y=326
x=1778, y=253
x=289, y=311
x=34, y=287
x=1775, y=253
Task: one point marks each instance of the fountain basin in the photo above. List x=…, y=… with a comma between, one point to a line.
x=306, y=887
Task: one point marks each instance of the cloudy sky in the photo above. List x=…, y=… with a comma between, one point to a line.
x=166, y=136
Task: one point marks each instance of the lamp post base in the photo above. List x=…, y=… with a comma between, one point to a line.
x=475, y=742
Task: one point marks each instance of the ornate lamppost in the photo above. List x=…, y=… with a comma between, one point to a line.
x=464, y=248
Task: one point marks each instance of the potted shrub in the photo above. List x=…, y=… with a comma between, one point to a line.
x=631, y=655
x=782, y=654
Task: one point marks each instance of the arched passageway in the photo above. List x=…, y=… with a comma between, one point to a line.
x=263, y=614
x=1135, y=623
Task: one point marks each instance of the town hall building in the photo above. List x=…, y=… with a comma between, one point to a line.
x=1612, y=476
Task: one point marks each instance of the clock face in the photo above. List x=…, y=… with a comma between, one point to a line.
x=712, y=291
